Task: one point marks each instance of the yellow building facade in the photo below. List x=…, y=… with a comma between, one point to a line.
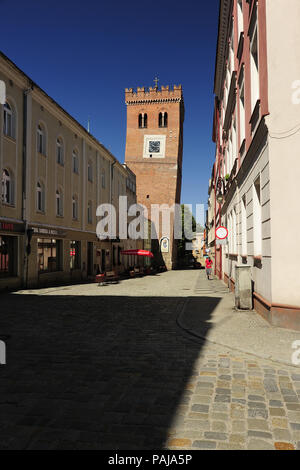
x=54, y=175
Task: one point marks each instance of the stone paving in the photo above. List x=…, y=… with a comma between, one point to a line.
x=93, y=368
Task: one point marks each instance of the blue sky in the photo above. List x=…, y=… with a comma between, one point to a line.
x=85, y=53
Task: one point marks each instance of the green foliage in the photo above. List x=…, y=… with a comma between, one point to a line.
x=188, y=238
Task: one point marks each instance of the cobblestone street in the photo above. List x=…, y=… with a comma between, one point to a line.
x=93, y=367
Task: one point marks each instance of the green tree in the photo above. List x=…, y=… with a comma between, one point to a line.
x=186, y=237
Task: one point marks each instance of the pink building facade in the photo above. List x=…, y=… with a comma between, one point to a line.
x=255, y=112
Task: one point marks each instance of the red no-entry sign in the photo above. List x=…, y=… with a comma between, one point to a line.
x=221, y=233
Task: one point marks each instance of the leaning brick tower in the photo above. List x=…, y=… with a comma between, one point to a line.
x=154, y=145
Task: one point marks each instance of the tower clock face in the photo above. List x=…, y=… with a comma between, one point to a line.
x=154, y=146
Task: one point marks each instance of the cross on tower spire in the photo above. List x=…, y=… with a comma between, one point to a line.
x=156, y=80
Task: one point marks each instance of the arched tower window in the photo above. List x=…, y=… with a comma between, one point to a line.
x=163, y=119
x=143, y=120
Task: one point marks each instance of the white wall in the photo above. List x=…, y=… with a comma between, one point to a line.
x=283, y=38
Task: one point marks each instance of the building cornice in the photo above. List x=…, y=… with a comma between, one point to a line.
x=25, y=82
x=153, y=101
x=222, y=44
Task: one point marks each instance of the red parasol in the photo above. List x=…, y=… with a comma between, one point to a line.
x=146, y=253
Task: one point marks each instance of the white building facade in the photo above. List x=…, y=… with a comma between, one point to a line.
x=257, y=135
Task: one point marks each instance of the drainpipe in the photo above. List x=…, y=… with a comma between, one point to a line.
x=24, y=186
x=110, y=201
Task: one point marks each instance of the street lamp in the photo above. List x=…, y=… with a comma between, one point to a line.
x=221, y=190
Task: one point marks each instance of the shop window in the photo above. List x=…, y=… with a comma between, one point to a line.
x=8, y=256
x=49, y=255
x=75, y=255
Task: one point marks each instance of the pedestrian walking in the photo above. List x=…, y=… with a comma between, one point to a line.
x=208, y=267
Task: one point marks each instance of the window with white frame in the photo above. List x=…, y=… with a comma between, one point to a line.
x=59, y=151
x=40, y=197
x=230, y=237
x=257, y=217
x=75, y=207
x=240, y=17
x=89, y=213
x=231, y=56
x=7, y=187
x=233, y=135
x=59, y=203
x=254, y=69
x=8, y=120
x=244, y=226
x=234, y=231
x=103, y=178
x=41, y=140
x=242, y=109
x=230, y=154
x=90, y=171
x=75, y=162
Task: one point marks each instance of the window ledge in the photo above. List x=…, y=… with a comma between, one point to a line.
x=242, y=148
x=8, y=204
x=59, y=216
x=42, y=154
x=255, y=116
x=51, y=272
x=10, y=138
x=40, y=212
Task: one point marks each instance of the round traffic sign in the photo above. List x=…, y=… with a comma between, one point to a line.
x=221, y=233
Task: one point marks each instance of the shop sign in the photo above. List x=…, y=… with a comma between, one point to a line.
x=48, y=232
x=10, y=227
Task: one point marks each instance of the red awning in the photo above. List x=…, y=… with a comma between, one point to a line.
x=138, y=253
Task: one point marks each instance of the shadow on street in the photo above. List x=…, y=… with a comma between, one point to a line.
x=94, y=372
